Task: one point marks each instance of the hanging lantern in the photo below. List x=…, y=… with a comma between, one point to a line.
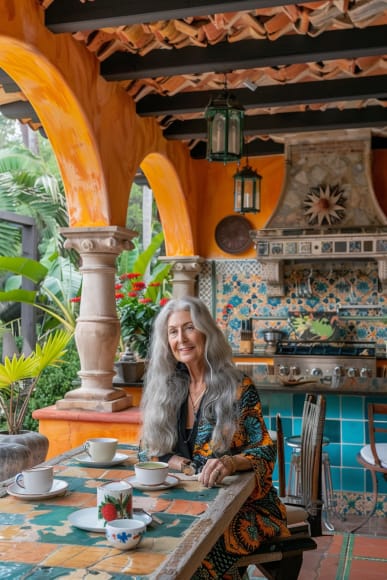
x=247, y=190
x=224, y=128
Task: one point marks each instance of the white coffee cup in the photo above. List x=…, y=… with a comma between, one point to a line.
x=101, y=449
x=115, y=501
x=36, y=480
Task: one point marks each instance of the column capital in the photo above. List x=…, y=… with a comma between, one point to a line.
x=107, y=239
x=185, y=270
x=184, y=263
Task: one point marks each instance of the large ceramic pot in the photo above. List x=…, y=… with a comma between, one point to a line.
x=29, y=446
x=128, y=368
x=129, y=372
x=13, y=458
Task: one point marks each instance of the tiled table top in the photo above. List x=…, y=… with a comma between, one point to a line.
x=37, y=540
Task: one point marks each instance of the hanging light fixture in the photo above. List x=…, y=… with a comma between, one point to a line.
x=247, y=190
x=224, y=127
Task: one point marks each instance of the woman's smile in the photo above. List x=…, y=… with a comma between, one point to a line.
x=185, y=341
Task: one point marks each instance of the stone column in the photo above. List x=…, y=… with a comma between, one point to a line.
x=185, y=270
x=98, y=328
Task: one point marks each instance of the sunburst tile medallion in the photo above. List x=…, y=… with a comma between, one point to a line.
x=324, y=205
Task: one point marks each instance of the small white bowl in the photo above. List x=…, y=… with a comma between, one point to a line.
x=124, y=534
x=151, y=472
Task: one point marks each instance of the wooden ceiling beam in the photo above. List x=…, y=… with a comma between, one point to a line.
x=284, y=123
x=247, y=54
x=19, y=110
x=73, y=15
x=348, y=89
x=263, y=148
x=256, y=148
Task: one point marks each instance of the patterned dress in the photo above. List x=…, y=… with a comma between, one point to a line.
x=262, y=516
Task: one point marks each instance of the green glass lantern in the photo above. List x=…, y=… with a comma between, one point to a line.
x=224, y=128
x=247, y=190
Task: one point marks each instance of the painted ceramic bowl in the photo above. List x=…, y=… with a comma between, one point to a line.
x=124, y=534
x=151, y=472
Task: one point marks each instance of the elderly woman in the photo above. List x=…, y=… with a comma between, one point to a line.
x=201, y=414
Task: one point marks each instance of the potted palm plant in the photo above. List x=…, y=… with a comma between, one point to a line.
x=19, y=377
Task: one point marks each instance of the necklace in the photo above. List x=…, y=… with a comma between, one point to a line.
x=195, y=402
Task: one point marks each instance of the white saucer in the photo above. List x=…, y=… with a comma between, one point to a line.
x=58, y=488
x=87, y=519
x=170, y=481
x=117, y=459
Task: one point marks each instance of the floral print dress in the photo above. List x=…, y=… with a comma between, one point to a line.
x=262, y=516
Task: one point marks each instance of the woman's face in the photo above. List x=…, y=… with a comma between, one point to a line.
x=185, y=341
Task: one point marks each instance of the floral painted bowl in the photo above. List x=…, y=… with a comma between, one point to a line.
x=124, y=534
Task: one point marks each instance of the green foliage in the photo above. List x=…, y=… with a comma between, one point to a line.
x=27, y=267
x=138, y=302
x=19, y=377
x=54, y=298
x=134, y=218
x=54, y=383
x=136, y=320
x=28, y=187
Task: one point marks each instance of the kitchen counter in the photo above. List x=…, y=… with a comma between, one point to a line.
x=345, y=386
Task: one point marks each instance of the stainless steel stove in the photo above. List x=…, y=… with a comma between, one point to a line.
x=325, y=360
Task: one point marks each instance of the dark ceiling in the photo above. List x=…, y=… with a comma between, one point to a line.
x=295, y=67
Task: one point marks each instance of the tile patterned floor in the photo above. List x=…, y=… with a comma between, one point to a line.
x=345, y=556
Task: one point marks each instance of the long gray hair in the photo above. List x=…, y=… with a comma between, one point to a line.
x=166, y=385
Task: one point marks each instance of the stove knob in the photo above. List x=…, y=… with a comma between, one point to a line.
x=365, y=372
x=294, y=370
x=352, y=372
x=283, y=370
x=337, y=371
x=316, y=372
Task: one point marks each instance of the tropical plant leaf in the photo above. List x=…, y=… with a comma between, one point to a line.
x=31, y=269
x=25, y=296
x=145, y=258
x=53, y=349
x=18, y=368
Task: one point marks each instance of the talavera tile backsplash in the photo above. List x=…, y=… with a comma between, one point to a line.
x=350, y=292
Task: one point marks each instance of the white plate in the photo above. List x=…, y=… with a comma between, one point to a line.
x=87, y=519
x=170, y=481
x=117, y=459
x=58, y=488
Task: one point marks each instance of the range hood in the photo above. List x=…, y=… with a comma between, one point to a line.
x=327, y=209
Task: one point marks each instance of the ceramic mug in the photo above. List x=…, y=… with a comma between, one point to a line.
x=36, y=480
x=101, y=449
x=115, y=501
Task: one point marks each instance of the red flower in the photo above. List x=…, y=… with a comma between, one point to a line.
x=132, y=294
x=75, y=299
x=145, y=300
x=155, y=284
x=119, y=295
x=139, y=285
x=163, y=301
x=118, y=286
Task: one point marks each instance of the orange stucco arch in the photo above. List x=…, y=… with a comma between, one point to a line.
x=72, y=139
x=98, y=139
x=171, y=203
x=66, y=127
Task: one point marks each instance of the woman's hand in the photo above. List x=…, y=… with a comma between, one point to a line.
x=178, y=463
x=215, y=470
